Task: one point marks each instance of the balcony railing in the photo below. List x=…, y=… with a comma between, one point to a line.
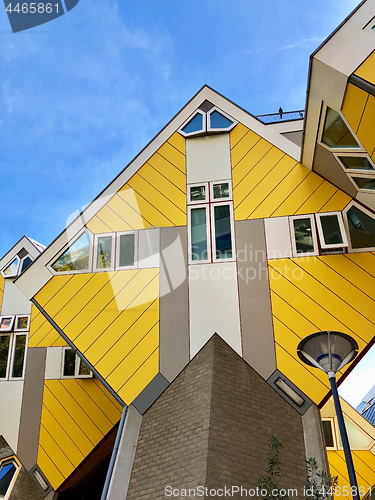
x=282, y=117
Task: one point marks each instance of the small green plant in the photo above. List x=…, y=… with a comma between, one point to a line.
x=269, y=482
x=319, y=484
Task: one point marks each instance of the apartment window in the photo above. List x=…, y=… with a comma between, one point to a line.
x=336, y=133
x=211, y=226
x=104, y=252
x=217, y=120
x=17, y=265
x=328, y=433
x=361, y=227
x=303, y=235
x=127, y=249
x=76, y=257
x=73, y=366
x=331, y=230
x=356, y=163
x=9, y=469
x=194, y=124
x=212, y=122
x=363, y=183
x=13, y=344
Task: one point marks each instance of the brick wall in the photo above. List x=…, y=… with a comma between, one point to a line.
x=212, y=426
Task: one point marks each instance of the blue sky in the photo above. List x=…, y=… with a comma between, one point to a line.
x=82, y=95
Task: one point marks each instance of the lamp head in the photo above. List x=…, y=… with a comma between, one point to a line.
x=329, y=350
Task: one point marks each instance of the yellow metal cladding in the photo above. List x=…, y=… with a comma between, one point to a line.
x=269, y=183
x=155, y=196
x=359, y=109
x=47, y=336
x=332, y=292
x=112, y=318
x=2, y=280
x=76, y=415
x=367, y=69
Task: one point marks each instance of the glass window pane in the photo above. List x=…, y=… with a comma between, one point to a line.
x=217, y=120
x=361, y=228
x=69, y=363
x=127, y=250
x=22, y=323
x=356, y=162
x=194, y=125
x=357, y=439
x=7, y=472
x=331, y=229
x=303, y=235
x=5, y=323
x=197, y=193
x=221, y=190
x=76, y=258
x=25, y=264
x=104, y=256
x=364, y=183
x=223, y=236
x=11, y=270
x=336, y=134
x=83, y=368
x=327, y=432
x=4, y=352
x=19, y=356
x=198, y=234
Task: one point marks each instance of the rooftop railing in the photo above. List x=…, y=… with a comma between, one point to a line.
x=282, y=117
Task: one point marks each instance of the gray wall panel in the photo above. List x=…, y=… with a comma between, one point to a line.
x=31, y=406
x=174, y=315
x=255, y=303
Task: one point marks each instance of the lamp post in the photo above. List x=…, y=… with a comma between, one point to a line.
x=330, y=351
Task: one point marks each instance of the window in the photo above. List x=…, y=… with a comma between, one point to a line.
x=127, y=245
x=356, y=163
x=194, y=125
x=328, y=433
x=361, y=227
x=103, y=253
x=303, y=235
x=336, y=133
x=366, y=184
x=211, y=225
x=357, y=438
x=331, y=230
x=73, y=366
x=212, y=122
x=9, y=469
x=76, y=257
x=217, y=121
x=17, y=265
x=13, y=346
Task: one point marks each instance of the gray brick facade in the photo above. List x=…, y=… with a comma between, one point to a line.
x=212, y=426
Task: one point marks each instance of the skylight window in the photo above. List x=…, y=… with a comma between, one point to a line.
x=217, y=121
x=194, y=125
x=361, y=228
x=336, y=133
x=356, y=163
x=11, y=269
x=365, y=183
x=76, y=257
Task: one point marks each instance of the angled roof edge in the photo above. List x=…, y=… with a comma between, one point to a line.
x=37, y=275
x=24, y=242
x=330, y=67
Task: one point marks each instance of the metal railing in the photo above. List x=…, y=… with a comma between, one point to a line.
x=282, y=117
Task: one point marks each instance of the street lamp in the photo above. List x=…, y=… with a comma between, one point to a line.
x=331, y=351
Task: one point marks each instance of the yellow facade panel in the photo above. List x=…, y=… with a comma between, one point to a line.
x=116, y=221
x=97, y=226
x=150, y=212
x=318, y=199
x=117, y=352
x=135, y=359
x=173, y=156
x=300, y=194
x=247, y=163
x=102, y=398
x=49, y=290
x=366, y=127
x=256, y=175
x=365, y=260
x=39, y=336
x=49, y=469
x=177, y=141
x=367, y=69
x=122, y=209
x=58, y=457
x=2, y=282
x=133, y=216
x=337, y=203
x=236, y=134
x=354, y=103
x=141, y=378
x=242, y=148
x=364, y=465
x=168, y=170
x=265, y=187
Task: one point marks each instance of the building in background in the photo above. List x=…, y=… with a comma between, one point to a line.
x=367, y=406
x=178, y=297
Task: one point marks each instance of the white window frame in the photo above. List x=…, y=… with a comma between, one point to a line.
x=21, y=262
x=325, y=245
x=16, y=321
x=213, y=234
x=333, y=429
x=221, y=112
x=10, y=328
x=219, y=200
x=293, y=239
x=113, y=256
x=7, y=372
x=346, y=224
x=12, y=353
x=17, y=464
x=117, y=238
x=360, y=149
x=363, y=175
x=10, y=263
x=65, y=248
x=204, y=125
x=207, y=191
x=208, y=233
x=76, y=366
x=353, y=171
